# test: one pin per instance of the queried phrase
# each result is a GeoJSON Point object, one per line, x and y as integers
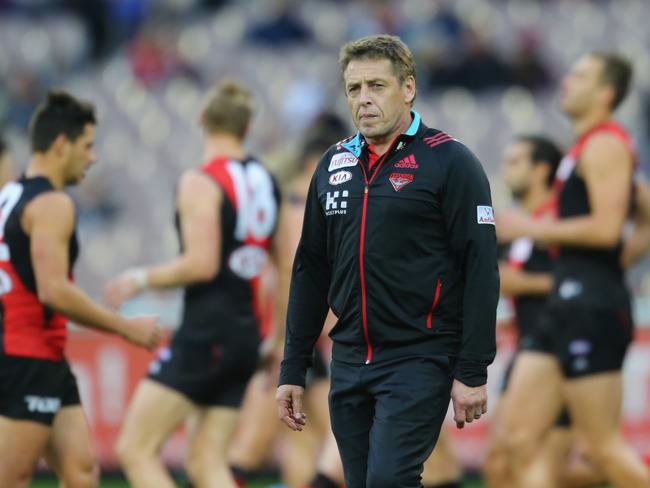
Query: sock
{"type": "Point", "coordinates": [322, 481]}
{"type": "Point", "coordinates": [241, 476]}
{"type": "Point", "coordinates": [453, 484]}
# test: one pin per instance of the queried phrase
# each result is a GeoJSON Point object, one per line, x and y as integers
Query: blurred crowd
{"type": "Point", "coordinates": [487, 69]}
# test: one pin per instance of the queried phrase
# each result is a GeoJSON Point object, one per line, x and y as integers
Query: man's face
{"type": "Point", "coordinates": [376, 98]}
{"type": "Point", "coordinates": [518, 169]}
{"type": "Point", "coordinates": [81, 155]}
{"type": "Point", "coordinates": [583, 87]}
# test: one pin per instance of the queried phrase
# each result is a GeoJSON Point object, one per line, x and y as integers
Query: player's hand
{"type": "Point", "coordinates": [512, 224]}
{"type": "Point", "coordinates": [143, 331]}
{"type": "Point", "coordinates": [122, 288]}
{"type": "Point", "coordinates": [289, 399]}
{"type": "Point", "coordinates": [469, 403]}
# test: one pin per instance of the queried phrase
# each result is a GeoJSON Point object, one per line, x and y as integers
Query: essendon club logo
{"type": "Point", "coordinates": [400, 180]}
{"type": "Point", "coordinates": [408, 162]}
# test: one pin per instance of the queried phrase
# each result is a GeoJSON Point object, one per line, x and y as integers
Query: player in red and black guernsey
{"type": "Point", "coordinates": [529, 167]}
{"type": "Point", "coordinates": [399, 241]}
{"type": "Point", "coordinates": [227, 218]}
{"type": "Point", "coordinates": [40, 411]}
{"type": "Point", "coordinates": [589, 314]}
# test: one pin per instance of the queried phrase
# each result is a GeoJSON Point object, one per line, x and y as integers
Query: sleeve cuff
{"type": "Point", "coordinates": [471, 373]}
{"type": "Point", "coordinates": [292, 374]}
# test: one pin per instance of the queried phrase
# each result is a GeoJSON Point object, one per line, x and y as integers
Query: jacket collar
{"type": "Point", "coordinates": [357, 143]}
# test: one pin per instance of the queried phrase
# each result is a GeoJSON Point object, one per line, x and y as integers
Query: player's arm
{"type": "Point", "coordinates": [306, 311]}
{"type": "Point", "coordinates": [606, 167]}
{"type": "Point", "coordinates": [283, 255]}
{"type": "Point", "coordinates": [515, 281]}
{"type": "Point", "coordinates": [199, 203]}
{"type": "Point", "coordinates": [464, 198]}
{"type": "Point", "coordinates": [637, 245]}
{"type": "Point", "coordinates": [49, 221]}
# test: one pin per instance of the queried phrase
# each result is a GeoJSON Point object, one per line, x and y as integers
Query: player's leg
{"type": "Point", "coordinates": [21, 445]}
{"type": "Point", "coordinates": [442, 468]}
{"type": "Point", "coordinates": [579, 472]}
{"type": "Point", "coordinates": [330, 469]}
{"type": "Point", "coordinates": [595, 404]}
{"type": "Point", "coordinates": [533, 405]}
{"type": "Point", "coordinates": [69, 451]}
{"type": "Point", "coordinates": [299, 454]}
{"type": "Point", "coordinates": [548, 464]}
{"type": "Point", "coordinates": [257, 428]}
{"type": "Point", "coordinates": [156, 411]}
{"type": "Point", "coordinates": [497, 469]}
{"type": "Point", "coordinates": [207, 460]}
{"type": "Point", "coordinates": [411, 400]}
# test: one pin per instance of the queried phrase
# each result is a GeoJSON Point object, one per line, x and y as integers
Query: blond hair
{"type": "Point", "coordinates": [229, 108]}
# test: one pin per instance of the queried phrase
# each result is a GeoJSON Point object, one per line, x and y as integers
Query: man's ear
{"type": "Point", "coordinates": [409, 89]}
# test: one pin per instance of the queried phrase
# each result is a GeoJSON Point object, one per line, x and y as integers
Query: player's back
{"type": "Point", "coordinates": [227, 308]}
{"type": "Point", "coordinates": [28, 327]}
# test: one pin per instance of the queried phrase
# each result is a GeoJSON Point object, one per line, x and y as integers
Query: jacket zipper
{"type": "Point", "coordinates": [362, 242]}
{"type": "Point", "coordinates": [436, 299]}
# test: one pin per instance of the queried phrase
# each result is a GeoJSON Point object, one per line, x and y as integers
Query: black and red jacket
{"type": "Point", "coordinates": [403, 252]}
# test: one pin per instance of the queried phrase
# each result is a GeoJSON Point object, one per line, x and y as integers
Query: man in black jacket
{"type": "Point", "coordinates": [399, 241]}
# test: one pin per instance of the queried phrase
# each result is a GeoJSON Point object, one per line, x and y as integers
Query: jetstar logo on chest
{"type": "Point", "coordinates": [400, 180]}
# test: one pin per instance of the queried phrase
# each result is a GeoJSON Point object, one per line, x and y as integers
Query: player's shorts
{"type": "Point", "coordinates": [35, 389]}
{"type": "Point", "coordinates": [586, 338]}
{"type": "Point", "coordinates": [209, 375]}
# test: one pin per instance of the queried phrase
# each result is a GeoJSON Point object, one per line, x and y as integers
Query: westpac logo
{"type": "Point", "coordinates": [42, 404]}
{"type": "Point", "coordinates": [340, 177]}
{"type": "Point", "coordinates": [342, 160]}
{"type": "Point", "coordinates": [336, 203]}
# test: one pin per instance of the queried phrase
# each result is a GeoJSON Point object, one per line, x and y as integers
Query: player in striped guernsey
{"type": "Point", "coordinates": [227, 216]}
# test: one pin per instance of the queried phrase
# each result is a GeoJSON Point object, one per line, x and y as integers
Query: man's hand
{"type": "Point", "coordinates": [289, 399]}
{"type": "Point", "coordinates": [123, 287]}
{"type": "Point", "coordinates": [512, 224]}
{"type": "Point", "coordinates": [143, 331]}
{"type": "Point", "coordinates": [469, 403]}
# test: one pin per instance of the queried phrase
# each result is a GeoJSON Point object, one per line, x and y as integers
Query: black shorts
{"type": "Point", "coordinates": [586, 338]}
{"type": "Point", "coordinates": [35, 389]}
{"type": "Point", "coordinates": [209, 375]}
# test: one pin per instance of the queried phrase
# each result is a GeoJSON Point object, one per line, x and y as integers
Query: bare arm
{"type": "Point", "coordinates": [199, 203]}
{"type": "Point", "coordinates": [606, 167]}
{"type": "Point", "coordinates": [49, 221]}
{"type": "Point", "coordinates": [638, 244]}
{"type": "Point", "coordinates": [515, 281]}
{"type": "Point", "coordinates": [284, 252]}
{"type": "Point", "coordinates": [199, 206]}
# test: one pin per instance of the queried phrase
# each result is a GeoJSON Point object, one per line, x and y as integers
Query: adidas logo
{"type": "Point", "coordinates": [438, 139]}
{"type": "Point", "coordinates": [408, 162]}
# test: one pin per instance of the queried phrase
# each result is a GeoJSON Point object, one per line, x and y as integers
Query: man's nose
{"type": "Point", "coordinates": [364, 95]}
